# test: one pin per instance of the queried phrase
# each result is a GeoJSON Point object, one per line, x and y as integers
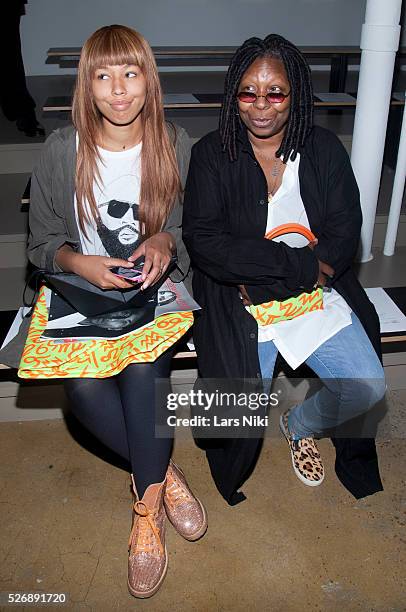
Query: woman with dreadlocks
{"type": "Point", "coordinates": [267, 167]}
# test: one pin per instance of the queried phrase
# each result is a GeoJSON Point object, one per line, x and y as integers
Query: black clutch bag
{"type": "Point", "coordinates": [92, 301]}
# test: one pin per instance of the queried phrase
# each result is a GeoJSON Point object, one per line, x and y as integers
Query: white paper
{"type": "Point", "coordinates": [390, 316]}
{"type": "Point", "coordinates": [191, 345]}
{"type": "Point", "coordinates": [15, 326]}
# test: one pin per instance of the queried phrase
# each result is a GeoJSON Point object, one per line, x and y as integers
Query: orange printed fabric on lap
{"type": "Point", "coordinates": [97, 358]}
{"type": "Point", "coordinates": [275, 312]}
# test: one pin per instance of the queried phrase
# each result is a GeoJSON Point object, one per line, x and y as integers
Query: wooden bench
{"type": "Point", "coordinates": [338, 57]}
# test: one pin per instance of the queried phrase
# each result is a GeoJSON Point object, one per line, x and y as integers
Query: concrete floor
{"type": "Point", "coordinates": [66, 518]}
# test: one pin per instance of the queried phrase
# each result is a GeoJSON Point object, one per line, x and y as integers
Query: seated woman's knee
{"type": "Point", "coordinates": [365, 393]}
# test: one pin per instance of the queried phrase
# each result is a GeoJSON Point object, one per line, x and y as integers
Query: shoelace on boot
{"type": "Point", "coordinates": [146, 524]}
{"type": "Point", "coordinates": [176, 494]}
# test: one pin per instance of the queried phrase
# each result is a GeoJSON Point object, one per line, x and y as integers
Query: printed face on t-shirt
{"type": "Point", "coordinates": [119, 227]}
{"type": "Point", "coordinates": [121, 218]}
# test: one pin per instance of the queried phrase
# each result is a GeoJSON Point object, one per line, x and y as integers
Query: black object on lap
{"type": "Point", "coordinates": [91, 301]}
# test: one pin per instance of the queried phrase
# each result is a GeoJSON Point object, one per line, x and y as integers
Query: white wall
{"type": "Point", "coordinates": [67, 23]}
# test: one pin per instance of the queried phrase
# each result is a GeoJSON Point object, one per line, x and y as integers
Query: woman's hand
{"type": "Point", "coordinates": [325, 270]}
{"type": "Point", "coordinates": [157, 252]}
{"type": "Point", "coordinates": [94, 268]}
{"type": "Point", "coordinates": [246, 300]}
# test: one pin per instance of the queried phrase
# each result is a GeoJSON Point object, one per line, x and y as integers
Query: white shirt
{"type": "Point", "coordinates": [117, 197]}
{"type": "Point", "coordinates": [298, 338]}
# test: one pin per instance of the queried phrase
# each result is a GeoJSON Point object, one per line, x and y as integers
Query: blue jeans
{"type": "Point", "coordinates": [352, 375]}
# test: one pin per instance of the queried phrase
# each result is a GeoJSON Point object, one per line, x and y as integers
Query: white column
{"type": "Point", "coordinates": [379, 43]}
{"type": "Point", "coordinates": [397, 192]}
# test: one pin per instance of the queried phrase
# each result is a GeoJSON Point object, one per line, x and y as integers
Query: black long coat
{"type": "Point", "coordinates": [225, 214]}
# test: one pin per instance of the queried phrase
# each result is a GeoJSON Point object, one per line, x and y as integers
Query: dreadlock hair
{"type": "Point", "coordinates": [301, 93]}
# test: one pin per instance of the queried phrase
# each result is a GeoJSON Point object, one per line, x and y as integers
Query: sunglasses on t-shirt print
{"type": "Point", "coordinates": [117, 209]}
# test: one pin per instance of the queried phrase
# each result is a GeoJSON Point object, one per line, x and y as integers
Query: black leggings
{"type": "Point", "coordinates": [121, 411]}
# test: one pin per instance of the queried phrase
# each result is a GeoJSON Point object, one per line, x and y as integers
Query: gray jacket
{"type": "Point", "coordinates": [52, 220]}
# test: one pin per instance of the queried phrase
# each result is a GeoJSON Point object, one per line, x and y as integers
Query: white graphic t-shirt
{"type": "Point", "coordinates": [117, 197]}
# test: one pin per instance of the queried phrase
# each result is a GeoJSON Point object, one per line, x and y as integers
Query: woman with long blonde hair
{"type": "Point", "coordinates": [106, 192]}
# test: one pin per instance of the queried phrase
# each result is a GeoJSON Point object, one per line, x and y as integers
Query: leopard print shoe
{"type": "Point", "coordinates": [306, 459]}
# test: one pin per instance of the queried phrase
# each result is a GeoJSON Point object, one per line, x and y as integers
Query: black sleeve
{"type": "Point", "coordinates": [338, 241]}
{"type": "Point", "coordinates": [252, 261]}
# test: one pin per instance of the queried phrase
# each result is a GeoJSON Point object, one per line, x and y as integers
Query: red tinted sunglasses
{"type": "Point", "coordinates": [273, 97]}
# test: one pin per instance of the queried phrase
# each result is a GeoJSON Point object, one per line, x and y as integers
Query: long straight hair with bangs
{"type": "Point", "coordinates": [116, 45]}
